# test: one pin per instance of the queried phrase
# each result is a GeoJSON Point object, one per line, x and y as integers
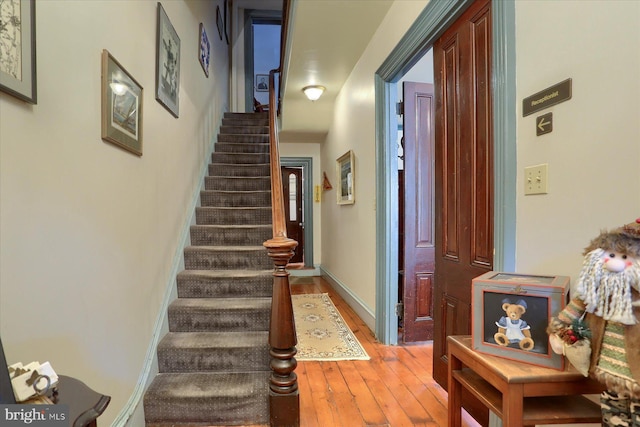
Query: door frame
{"type": "Point", "coordinates": [306, 163]}
{"type": "Point", "coordinates": [430, 24]}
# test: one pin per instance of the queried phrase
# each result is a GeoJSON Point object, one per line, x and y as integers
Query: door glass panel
{"type": "Point", "coordinates": [292, 197]}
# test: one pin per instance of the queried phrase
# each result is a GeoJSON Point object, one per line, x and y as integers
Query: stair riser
{"type": "Point", "coordinates": [238, 359]}
{"type": "Point", "coordinates": [208, 236]}
{"type": "Point", "coordinates": [200, 287]}
{"type": "Point", "coordinates": [199, 259]}
{"type": "Point", "coordinates": [246, 116]}
{"type": "Point", "coordinates": [239, 158]}
{"type": "Point", "coordinates": [239, 199]}
{"type": "Point", "coordinates": [200, 320]}
{"type": "Point", "coordinates": [248, 129]}
{"type": "Point", "coordinates": [245, 122]}
{"type": "Point", "coordinates": [225, 137]}
{"type": "Point", "coordinates": [248, 405]}
{"type": "Point", "coordinates": [239, 170]}
{"type": "Point", "coordinates": [222, 216]}
{"type": "Point", "coordinates": [237, 183]}
{"type": "Point", "coordinates": [227, 147]}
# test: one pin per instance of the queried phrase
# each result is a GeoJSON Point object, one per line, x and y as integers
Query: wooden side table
{"type": "Point", "coordinates": [85, 404]}
{"type": "Point", "coordinates": [520, 394]}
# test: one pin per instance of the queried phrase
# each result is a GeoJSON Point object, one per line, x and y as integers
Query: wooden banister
{"type": "Point", "coordinates": [284, 398]}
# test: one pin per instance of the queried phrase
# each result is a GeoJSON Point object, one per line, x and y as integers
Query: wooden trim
{"type": "Point", "coordinates": [431, 23]}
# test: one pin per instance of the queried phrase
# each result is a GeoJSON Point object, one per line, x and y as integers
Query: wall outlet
{"type": "Point", "coordinates": [536, 180]}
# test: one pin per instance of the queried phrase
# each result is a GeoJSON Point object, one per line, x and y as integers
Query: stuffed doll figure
{"type": "Point", "coordinates": [608, 300]}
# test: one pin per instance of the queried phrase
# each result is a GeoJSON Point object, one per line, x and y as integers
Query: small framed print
{"type": "Point", "coordinates": [205, 50]}
{"type": "Point", "coordinates": [262, 83]}
{"type": "Point", "coordinates": [511, 312]}
{"type": "Point", "coordinates": [167, 63]}
{"type": "Point", "coordinates": [346, 174]}
{"type": "Point", "coordinates": [121, 106]}
{"type": "Point", "coordinates": [18, 49]}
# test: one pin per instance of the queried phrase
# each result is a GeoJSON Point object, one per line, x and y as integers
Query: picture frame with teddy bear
{"type": "Point", "coordinates": [511, 312]}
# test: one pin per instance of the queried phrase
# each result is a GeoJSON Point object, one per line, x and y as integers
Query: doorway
{"type": "Point", "coordinates": [302, 168]}
{"type": "Point", "coordinates": [429, 26]}
{"type": "Point", "coordinates": [262, 54]}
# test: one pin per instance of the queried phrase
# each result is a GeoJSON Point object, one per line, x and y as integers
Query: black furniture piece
{"type": "Point", "coordinates": [85, 404]}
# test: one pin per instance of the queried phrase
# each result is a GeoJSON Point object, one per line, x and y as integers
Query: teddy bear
{"type": "Point", "coordinates": [512, 328]}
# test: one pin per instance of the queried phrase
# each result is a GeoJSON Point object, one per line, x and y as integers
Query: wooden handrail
{"type": "Point", "coordinates": [284, 398]}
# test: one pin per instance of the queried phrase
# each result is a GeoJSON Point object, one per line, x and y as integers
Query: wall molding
{"type": "Point", "coordinates": [361, 309]}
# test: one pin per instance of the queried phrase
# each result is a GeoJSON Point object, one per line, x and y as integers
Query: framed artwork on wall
{"type": "Point", "coordinates": [227, 19]}
{"type": "Point", "coordinates": [262, 83]}
{"type": "Point", "coordinates": [219, 22]}
{"type": "Point", "coordinates": [121, 106]}
{"type": "Point", "coordinates": [346, 174]}
{"type": "Point", "coordinates": [167, 64]}
{"type": "Point", "coordinates": [18, 47]}
{"type": "Point", "coordinates": [205, 50]}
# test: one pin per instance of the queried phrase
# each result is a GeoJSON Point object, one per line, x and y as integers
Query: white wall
{"type": "Point", "coordinates": [349, 231]}
{"type": "Point", "coordinates": [89, 231]}
{"type": "Point", "coordinates": [594, 150]}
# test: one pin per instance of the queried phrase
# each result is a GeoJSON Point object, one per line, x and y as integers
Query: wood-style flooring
{"type": "Point", "coordinates": [395, 388]}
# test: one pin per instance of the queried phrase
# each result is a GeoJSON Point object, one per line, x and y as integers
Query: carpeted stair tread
{"type": "Point", "coordinates": [237, 183]}
{"type": "Point", "coordinates": [230, 169]}
{"type": "Point", "coordinates": [208, 398]}
{"type": "Point", "coordinates": [230, 351]}
{"type": "Point", "coordinates": [214, 363]}
{"type": "Point", "coordinates": [243, 199]}
{"type": "Point", "coordinates": [210, 235]}
{"type": "Point", "coordinates": [233, 215]}
{"type": "Point", "coordinates": [219, 314]}
{"type": "Point", "coordinates": [225, 283]}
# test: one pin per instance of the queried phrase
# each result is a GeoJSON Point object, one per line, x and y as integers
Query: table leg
{"type": "Point", "coordinates": [512, 404]}
{"type": "Point", "coordinates": [455, 393]}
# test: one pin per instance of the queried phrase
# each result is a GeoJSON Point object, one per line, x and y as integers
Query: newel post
{"type": "Point", "coordinates": [284, 399]}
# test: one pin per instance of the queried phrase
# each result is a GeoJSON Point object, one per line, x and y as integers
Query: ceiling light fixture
{"type": "Point", "coordinates": [313, 92]}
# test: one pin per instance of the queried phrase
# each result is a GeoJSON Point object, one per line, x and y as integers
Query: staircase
{"type": "Point", "coordinates": [214, 362]}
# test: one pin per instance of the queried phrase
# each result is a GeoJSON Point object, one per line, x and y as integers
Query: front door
{"type": "Point", "coordinates": [292, 188]}
{"type": "Point", "coordinates": [464, 173]}
{"type": "Point", "coordinates": [418, 241]}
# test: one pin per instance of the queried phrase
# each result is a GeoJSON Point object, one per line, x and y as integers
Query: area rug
{"type": "Point", "coordinates": [322, 332]}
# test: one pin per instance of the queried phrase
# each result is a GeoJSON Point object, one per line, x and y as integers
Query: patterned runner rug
{"type": "Point", "coordinates": [322, 332]}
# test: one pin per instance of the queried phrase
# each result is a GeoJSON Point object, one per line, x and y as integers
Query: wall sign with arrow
{"type": "Point", "coordinates": [544, 124]}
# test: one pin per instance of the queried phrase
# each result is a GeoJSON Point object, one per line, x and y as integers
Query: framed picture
{"type": "Point", "coordinates": [345, 168]}
{"type": "Point", "coordinates": [219, 22]}
{"type": "Point", "coordinates": [511, 312]}
{"type": "Point", "coordinates": [121, 106]}
{"type": "Point", "coordinates": [227, 19]}
{"type": "Point", "coordinates": [262, 83]}
{"type": "Point", "coordinates": [18, 47]}
{"type": "Point", "coordinates": [167, 64]}
{"type": "Point", "coordinates": [205, 50]}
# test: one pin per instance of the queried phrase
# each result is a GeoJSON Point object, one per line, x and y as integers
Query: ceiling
{"type": "Point", "coordinates": [326, 39]}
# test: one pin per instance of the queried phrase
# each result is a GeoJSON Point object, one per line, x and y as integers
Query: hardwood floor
{"type": "Point", "coordinates": [395, 388]}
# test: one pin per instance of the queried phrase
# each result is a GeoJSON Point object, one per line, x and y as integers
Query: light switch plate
{"type": "Point", "coordinates": [536, 180]}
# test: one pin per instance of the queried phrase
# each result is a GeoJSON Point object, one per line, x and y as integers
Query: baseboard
{"type": "Point", "coordinates": [133, 411]}
{"type": "Point", "coordinates": [361, 309]}
{"type": "Point", "coordinates": [305, 272]}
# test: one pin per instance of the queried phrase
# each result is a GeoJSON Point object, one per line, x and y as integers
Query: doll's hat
{"type": "Point", "coordinates": [625, 240]}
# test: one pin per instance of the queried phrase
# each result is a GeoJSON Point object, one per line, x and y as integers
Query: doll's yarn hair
{"type": "Point", "coordinates": [607, 294]}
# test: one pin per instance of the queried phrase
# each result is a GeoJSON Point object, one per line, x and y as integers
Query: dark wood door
{"type": "Point", "coordinates": [464, 173]}
{"type": "Point", "coordinates": [419, 110]}
{"type": "Point", "coordinates": [292, 188]}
